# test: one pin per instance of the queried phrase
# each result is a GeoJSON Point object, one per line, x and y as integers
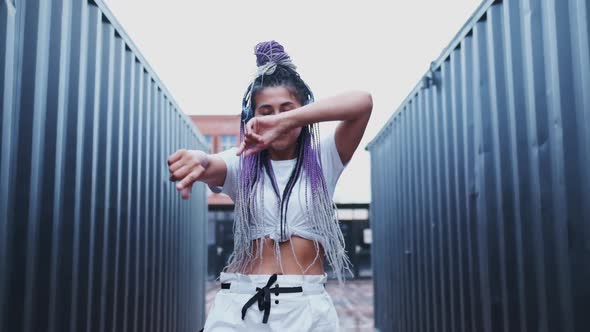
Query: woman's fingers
{"type": "Point", "coordinates": [254, 137]}
{"type": "Point", "coordinates": [186, 192]}
{"type": "Point", "coordinates": [254, 149]}
{"type": "Point", "coordinates": [176, 166]}
{"type": "Point", "coordinates": [241, 148]}
{"type": "Point", "coordinates": [190, 158]}
{"type": "Point", "coordinates": [246, 145]}
{"type": "Point", "coordinates": [253, 141]}
{"type": "Point", "coordinates": [177, 160]}
{"type": "Point", "coordinates": [251, 138]}
{"type": "Point", "coordinates": [189, 179]}
{"type": "Point", "coordinates": [250, 126]}
{"type": "Point", "coordinates": [249, 149]}
{"type": "Point", "coordinates": [176, 156]}
{"type": "Point", "coordinates": [181, 172]}
{"type": "Point", "coordinates": [183, 165]}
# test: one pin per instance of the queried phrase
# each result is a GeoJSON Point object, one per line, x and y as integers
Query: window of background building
{"type": "Point", "coordinates": [209, 142]}
{"type": "Point", "coordinates": [227, 142]}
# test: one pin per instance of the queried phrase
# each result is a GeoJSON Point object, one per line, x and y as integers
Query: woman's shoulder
{"type": "Point", "coordinates": [332, 166]}
{"type": "Point", "coordinates": [329, 152]}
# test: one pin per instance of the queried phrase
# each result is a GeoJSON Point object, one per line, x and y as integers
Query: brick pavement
{"type": "Point", "coordinates": [353, 302]}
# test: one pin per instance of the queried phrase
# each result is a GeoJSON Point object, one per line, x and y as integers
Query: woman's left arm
{"type": "Point", "coordinates": [353, 109]}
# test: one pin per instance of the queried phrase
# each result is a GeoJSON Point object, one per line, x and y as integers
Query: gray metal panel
{"type": "Point", "coordinates": [93, 236]}
{"type": "Point", "coordinates": [480, 179]}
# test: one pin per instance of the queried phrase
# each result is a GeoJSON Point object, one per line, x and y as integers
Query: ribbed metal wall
{"type": "Point", "coordinates": [481, 180]}
{"type": "Point", "coordinates": [93, 235]}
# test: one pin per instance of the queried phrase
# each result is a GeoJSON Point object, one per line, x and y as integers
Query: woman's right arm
{"type": "Point", "coordinates": [188, 166]}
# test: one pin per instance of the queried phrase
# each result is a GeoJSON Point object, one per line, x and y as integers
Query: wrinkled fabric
{"type": "Point", "coordinates": [310, 310]}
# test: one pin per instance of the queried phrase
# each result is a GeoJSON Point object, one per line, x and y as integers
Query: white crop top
{"type": "Point", "coordinates": [295, 218]}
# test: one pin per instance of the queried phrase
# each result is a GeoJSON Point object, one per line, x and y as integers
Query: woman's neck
{"type": "Point", "coordinates": [286, 154]}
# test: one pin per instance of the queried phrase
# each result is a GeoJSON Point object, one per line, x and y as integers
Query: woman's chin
{"type": "Point", "coordinates": [278, 146]}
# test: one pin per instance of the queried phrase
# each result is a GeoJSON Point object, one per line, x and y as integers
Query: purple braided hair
{"type": "Point", "coordinates": [273, 61]}
{"type": "Point", "coordinates": [270, 51]}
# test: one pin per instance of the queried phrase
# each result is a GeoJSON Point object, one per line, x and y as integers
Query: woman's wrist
{"type": "Point", "coordinates": [292, 119]}
{"type": "Point", "coordinates": [202, 158]}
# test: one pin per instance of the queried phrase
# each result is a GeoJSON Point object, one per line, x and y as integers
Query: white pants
{"type": "Point", "coordinates": [310, 310]}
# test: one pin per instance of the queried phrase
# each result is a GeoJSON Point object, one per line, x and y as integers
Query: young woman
{"type": "Point", "coordinates": [282, 179]}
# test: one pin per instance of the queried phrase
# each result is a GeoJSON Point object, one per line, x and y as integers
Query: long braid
{"type": "Point", "coordinates": [320, 210]}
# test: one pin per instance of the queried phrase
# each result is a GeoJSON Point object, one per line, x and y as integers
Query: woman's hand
{"type": "Point", "coordinates": [261, 131]}
{"type": "Point", "coordinates": [187, 166]}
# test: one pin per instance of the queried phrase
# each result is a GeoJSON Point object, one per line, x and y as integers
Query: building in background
{"type": "Point", "coordinates": [221, 133]}
{"type": "Point", "coordinates": [354, 223]}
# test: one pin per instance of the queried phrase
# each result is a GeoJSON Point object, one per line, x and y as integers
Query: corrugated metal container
{"type": "Point", "coordinates": [481, 180]}
{"type": "Point", "coordinates": [93, 235]}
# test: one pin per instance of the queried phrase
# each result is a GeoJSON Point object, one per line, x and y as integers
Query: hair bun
{"type": "Point", "coordinates": [269, 51]}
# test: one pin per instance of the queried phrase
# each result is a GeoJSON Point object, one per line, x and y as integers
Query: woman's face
{"type": "Point", "coordinates": [275, 100]}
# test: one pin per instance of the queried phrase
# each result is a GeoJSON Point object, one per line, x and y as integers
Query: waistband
{"type": "Point", "coordinates": [247, 283]}
{"type": "Point", "coordinates": [259, 233]}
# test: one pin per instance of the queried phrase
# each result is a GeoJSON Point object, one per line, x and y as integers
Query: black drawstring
{"type": "Point", "coordinates": [263, 297]}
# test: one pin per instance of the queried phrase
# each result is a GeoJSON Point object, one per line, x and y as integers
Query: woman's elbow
{"type": "Point", "coordinates": [367, 102]}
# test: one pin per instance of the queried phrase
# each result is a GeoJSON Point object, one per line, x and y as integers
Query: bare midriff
{"type": "Point", "coordinates": [305, 254]}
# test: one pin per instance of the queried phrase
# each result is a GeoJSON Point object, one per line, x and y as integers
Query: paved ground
{"type": "Point", "coordinates": [354, 303]}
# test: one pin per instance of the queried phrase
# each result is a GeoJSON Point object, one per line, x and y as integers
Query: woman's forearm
{"type": "Point", "coordinates": [352, 109]}
{"type": "Point", "coordinates": [347, 106]}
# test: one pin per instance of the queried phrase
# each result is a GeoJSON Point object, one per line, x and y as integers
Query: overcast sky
{"type": "Point", "coordinates": [203, 52]}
